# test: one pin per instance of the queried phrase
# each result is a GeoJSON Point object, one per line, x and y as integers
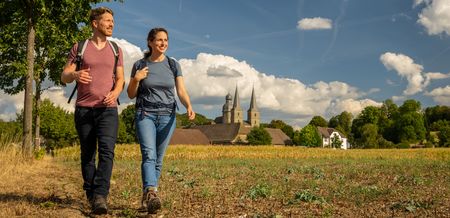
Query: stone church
{"type": "Point", "coordinates": [232, 113]}
{"type": "Point", "coordinates": [230, 128]}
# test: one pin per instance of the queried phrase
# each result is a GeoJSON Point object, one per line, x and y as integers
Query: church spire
{"type": "Point", "coordinates": [253, 101]}
{"type": "Point", "coordinates": [236, 111]}
{"type": "Point", "coordinates": [252, 113]}
{"type": "Point", "coordinates": [236, 103]}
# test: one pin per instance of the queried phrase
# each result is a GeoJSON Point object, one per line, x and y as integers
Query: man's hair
{"type": "Point", "coordinates": [97, 12]}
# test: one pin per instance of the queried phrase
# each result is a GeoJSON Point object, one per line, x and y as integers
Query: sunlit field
{"type": "Point", "coordinates": [244, 181]}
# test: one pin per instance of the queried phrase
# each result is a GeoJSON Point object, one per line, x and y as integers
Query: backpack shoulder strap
{"type": "Point", "coordinates": [173, 66]}
{"type": "Point", "coordinates": [81, 47]}
{"type": "Point", "coordinates": [115, 47]}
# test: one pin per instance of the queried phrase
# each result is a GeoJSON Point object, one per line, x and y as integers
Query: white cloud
{"type": "Point", "coordinates": [10, 105]}
{"type": "Point", "coordinates": [282, 95]}
{"type": "Point", "coordinates": [352, 106]}
{"type": "Point", "coordinates": [398, 99]}
{"type": "Point", "coordinates": [441, 95]}
{"type": "Point", "coordinates": [405, 67]}
{"type": "Point", "coordinates": [435, 17]}
{"type": "Point", "coordinates": [316, 23]}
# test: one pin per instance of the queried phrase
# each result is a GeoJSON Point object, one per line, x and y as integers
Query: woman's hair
{"type": "Point", "coordinates": [151, 36]}
{"type": "Point", "coordinates": [97, 12]}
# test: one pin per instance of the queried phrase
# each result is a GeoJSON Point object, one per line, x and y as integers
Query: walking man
{"type": "Point", "coordinates": [99, 83]}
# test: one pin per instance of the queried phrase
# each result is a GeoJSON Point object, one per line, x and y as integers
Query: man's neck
{"type": "Point", "coordinates": [99, 40]}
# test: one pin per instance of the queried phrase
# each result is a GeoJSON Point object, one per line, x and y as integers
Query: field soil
{"type": "Point", "coordinates": [206, 181]}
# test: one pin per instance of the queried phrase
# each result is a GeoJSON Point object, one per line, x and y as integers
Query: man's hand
{"type": "Point", "coordinates": [111, 98]}
{"type": "Point", "coordinates": [82, 76]}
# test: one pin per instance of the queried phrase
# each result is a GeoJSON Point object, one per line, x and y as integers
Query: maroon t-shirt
{"type": "Point", "coordinates": [101, 62]}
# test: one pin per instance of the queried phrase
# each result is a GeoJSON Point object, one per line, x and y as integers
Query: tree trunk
{"type": "Point", "coordinates": [37, 119]}
{"type": "Point", "coordinates": [27, 144]}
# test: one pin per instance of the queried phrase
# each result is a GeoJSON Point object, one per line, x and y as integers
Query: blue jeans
{"type": "Point", "coordinates": [154, 133]}
{"type": "Point", "coordinates": [97, 130]}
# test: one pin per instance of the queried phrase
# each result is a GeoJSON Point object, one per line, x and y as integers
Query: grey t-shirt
{"type": "Point", "coordinates": [156, 92]}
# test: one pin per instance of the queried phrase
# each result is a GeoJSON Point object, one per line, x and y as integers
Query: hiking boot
{"type": "Point", "coordinates": [99, 205]}
{"type": "Point", "coordinates": [151, 201]}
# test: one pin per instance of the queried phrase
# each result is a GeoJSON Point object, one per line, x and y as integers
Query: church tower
{"type": "Point", "coordinates": [236, 111]}
{"type": "Point", "coordinates": [253, 113]}
{"type": "Point", "coordinates": [226, 109]}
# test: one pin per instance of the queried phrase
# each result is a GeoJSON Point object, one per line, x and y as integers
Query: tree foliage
{"type": "Point", "coordinates": [318, 121]}
{"type": "Point", "coordinates": [279, 124]}
{"type": "Point", "coordinates": [342, 123]}
{"type": "Point", "coordinates": [336, 141]}
{"type": "Point", "coordinates": [183, 120]}
{"type": "Point", "coordinates": [259, 136]}
{"type": "Point", "coordinates": [58, 127]}
{"type": "Point", "coordinates": [309, 136]}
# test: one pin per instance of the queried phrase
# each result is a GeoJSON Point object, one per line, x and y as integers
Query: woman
{"type": "Point", "coordinates": [152, 82]}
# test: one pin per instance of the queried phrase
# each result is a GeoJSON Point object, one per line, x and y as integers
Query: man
{"type": "Point", "coordinates": [96, 116]}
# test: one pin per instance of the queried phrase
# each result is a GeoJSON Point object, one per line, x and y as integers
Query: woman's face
{"type": "Point", "coordinates": [159, 43]}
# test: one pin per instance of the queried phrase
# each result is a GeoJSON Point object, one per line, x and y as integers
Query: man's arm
{"type": "Point", "coordinates": [69, 74]}
{"type": "Point", "coordinates": [113, 95]}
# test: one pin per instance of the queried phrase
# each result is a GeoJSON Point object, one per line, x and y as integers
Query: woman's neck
{"type": "Point", "coordinates": [157, 57]}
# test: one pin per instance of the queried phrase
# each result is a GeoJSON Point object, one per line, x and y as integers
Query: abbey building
{"type": "Point", "coordinates": [232, 113]}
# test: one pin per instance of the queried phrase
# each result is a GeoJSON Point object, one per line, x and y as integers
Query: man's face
{"type": "Point", "coordinates": [105, 24]}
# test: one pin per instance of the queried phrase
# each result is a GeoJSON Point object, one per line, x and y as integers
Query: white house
{"type": "Point", "coordinates": [328, 133]}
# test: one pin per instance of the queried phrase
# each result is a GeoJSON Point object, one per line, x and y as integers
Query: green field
{"type": "Point", "coordinates": [263, 181]}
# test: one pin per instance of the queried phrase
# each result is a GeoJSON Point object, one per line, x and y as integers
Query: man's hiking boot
{"type": "Point", "coordinates": [99, 205]}
{"type": "Point", "coordinates": [151, 201]}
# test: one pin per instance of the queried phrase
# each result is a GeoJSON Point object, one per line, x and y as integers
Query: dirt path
{"type": "Point", "coordinates": [41, 189]}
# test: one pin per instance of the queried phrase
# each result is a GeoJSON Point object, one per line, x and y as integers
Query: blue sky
{"type": "Point", "coordinates": [305, 57]}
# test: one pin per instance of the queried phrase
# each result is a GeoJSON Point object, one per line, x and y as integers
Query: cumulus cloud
{"type": "Point", "coordinates": [440, 95]}
{"type": "Point", "coordinates": [405, 67]}
{"type": "Point", "coordinates": [316, 23]}
{"type": "Point", "coordinates": [10, 105]}
{"type": "Point", "coordinates": [286, 96]}
{"type": "Point", "coordinates": [435, 17]}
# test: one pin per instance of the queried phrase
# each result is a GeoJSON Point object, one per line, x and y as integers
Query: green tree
{"type": "Point", "coordinates": [444, 136]}
{"type": "Point", "coordinates": [388, 113]}
{"type": "Point", "coordinates": [369, 136]}
{"type": "Point", "coordinates": [127, 117]}
{"type": "Point", "coordinates": [35, 38]}
{"type": "Point", "coordinates": [309, 136]}
{"type": "Point", "coordinates": [259, 136]}
{"type": "Point", "coordinates": [409, 124]}
{"type": "Point", "coordinates": [318, 121]}
{"type": "Point", "coordinates": [183, 120]}
{"type": "Point", "coordinates": [296, 138]}
{"type": "Point", "coordinates": [279, 124]}
{"type": "Point", "coordinates": [58, 126]}
{"type": "Point", "coordinates": [342, 123]}
{"type": "Point", "coordinates": [336, 141]}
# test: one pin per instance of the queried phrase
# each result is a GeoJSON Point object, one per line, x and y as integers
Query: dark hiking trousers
{"type": "Point", "coordinates": [97, 128]}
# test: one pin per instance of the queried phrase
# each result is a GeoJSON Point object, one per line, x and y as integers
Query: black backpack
{"type": "Point", "coordinates": [79, 59]}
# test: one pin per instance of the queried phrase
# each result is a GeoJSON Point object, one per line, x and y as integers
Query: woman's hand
{"type": "Point", "coordinates": [141, 74]}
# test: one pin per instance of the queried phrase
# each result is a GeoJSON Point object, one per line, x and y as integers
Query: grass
{"type": "Point", "coordinates": [233, 181]}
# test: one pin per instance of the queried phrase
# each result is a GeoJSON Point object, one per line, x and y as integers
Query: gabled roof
{"type": "Point", "coordinates": [189, 137]}
{"type": "Point", "coordinates": [278, 137]}
{"type": "Point", "coordinates": [223, 132]}
{"type": "Point", "coordinates": [326, 132]}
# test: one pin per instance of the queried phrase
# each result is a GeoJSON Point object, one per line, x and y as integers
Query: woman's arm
{"type": "Point", "coordinates": [184, 97]}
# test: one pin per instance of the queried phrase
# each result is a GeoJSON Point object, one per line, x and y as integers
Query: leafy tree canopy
{"type": "Point", "coordinates": [259, 136]}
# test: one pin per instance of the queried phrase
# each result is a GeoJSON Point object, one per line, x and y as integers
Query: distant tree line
{"type": "Point", "coordinates": [387, 126]}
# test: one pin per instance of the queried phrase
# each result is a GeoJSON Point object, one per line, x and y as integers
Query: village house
{"type": "Point", "coordinates": [328, 134]}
